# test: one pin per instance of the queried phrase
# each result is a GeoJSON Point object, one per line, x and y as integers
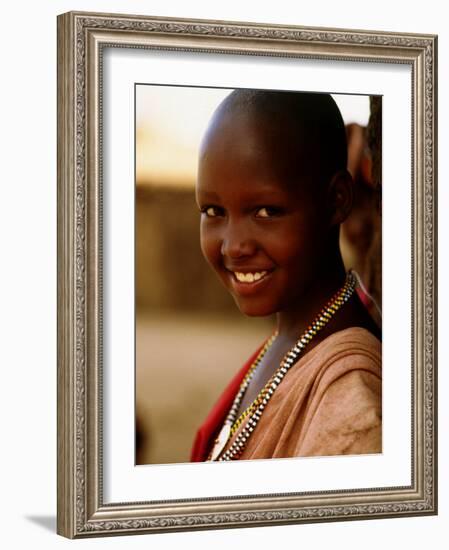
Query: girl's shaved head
{"type": "Point", "coordinates": [303, 133]}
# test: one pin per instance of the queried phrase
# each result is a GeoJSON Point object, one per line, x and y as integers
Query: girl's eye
{"type": "Point", "coordinates": [211, 211]}
{"type": "Point", "coordinates": [268, 212]}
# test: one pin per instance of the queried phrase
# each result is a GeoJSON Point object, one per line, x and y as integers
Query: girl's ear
{"type": "Point", "coordinates": [340, 196]}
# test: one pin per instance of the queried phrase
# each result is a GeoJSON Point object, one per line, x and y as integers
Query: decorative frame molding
{"type": "Point", "coordinates": [81, 38]}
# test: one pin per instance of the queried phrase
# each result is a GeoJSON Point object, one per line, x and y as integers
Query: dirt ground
{"type": "Point", "coordinates": [183, 362]}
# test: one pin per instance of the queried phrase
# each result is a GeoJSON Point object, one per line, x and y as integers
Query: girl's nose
{"type": "Point", "coordinates": [237, 242]}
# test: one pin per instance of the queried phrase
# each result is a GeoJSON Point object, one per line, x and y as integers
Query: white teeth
{"type": "Point", "coordinates": [249, 277]}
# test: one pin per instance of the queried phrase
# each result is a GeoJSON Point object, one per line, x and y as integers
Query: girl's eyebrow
{"type": "Point", "coordinates": [262, 192]}
{"type": "Point", "coordinates": [263, 195]}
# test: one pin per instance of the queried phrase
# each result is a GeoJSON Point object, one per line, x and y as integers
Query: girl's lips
{"type": "Point", "coordinates": [248, 288]}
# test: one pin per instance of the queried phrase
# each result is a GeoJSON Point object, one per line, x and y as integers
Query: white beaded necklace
{"type": "Point", "coordinates": [256, 409]}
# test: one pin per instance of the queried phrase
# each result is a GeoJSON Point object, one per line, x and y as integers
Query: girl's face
{"type": "Point", "coordinates": [262, 232]}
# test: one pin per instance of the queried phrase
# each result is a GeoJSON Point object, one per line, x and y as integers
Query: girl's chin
{"type": "Point", "coordinates": [253, 309]}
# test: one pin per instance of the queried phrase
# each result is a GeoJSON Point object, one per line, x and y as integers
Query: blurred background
{"type": "Point", "coordinates": [190, 336]}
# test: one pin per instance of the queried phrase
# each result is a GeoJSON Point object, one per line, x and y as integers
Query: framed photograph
{"type": "Point", "coordinates": [246, 274]}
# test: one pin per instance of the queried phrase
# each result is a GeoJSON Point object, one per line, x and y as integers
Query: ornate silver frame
{"type": "Point", "coordinates": [81, 510]}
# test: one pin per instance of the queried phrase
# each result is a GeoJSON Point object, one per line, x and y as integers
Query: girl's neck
{"type": "Point", "coordinates": [297, 316]}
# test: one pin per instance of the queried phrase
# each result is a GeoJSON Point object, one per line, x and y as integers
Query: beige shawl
{"type": "Point", "coordinates": [329, 402]}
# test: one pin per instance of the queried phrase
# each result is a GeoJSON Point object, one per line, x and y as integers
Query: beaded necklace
{"type": "Point", "coordinates": [255, 410]}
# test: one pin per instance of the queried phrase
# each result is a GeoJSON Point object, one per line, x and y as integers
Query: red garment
{"type": "Point", "coordinates": [208, 431]}
{"type": "Point", "coordinates": [364, 298]}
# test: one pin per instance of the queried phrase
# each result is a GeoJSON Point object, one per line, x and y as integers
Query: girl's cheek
{"type": "Point", "coordinates": [210, 249]}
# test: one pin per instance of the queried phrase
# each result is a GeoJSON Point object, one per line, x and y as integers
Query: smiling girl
{"type": "Point", "coordinates": [273, 190]}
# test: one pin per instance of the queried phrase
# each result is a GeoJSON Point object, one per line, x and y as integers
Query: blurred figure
{"type": "Point", "coordinates": [361, 231]}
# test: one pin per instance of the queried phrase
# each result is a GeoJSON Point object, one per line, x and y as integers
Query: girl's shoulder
{"type": "Point", "coordinates": [354, 353]}
{"type": "Point", "coordinates": [353, 341]}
